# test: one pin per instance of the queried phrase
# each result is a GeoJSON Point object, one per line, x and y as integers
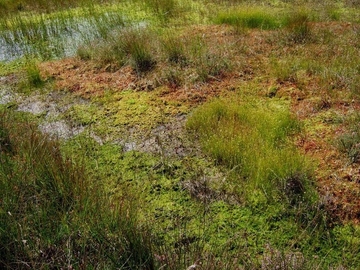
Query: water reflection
{"type": "Point", "coordinates": [55, 38]}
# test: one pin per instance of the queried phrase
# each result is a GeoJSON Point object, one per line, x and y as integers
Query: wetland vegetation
{"type": "Point", "coordinates": [167, 134]}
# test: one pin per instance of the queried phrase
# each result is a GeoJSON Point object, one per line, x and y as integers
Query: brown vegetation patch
{"type": "Point", "coordinates": [85, 79]}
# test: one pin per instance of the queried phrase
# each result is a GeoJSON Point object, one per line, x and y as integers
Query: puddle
{"type": "Point", "coordinates": [51, 107]}
{"type": "Point", "coordinates": [56, 38]}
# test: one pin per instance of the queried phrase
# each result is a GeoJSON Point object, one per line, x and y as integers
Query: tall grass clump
{"type": "Point", "coordinates": [131, 42]}
{"type": "Point", "coordinates": [164, 9]}
{"type": "Point", "coordinates": [174, 48]}
{"type": "Point", "coordinates": [33, 75]}
{"type": "Point", "coordinates": [298, 27]}
{"type": "Point", "coordinates": [209, 62]}
{"type": "Point", "coordinates": [252, 139]}
{"type": "Point", "coordinates": [52, 215]}
{"type": "Point", "coordinates": [127, 47]}
{"type": "Point", "coordinates": [250, 17]}
{"type": "Point", "coordinates": [349, 142]}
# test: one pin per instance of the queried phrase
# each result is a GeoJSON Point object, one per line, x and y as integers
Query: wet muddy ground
{"type": "Point", "coordinates": [166, 139]}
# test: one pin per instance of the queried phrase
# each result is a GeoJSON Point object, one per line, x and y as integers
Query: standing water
{"type": "Point", "coordinates": [53, 38]}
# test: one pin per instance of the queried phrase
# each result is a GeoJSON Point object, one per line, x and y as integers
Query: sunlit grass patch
{"type": "Point", "coordinates": [163, 8]}
{"type": "Point", "coordinates": [251, 17]}
{"type": "Point", "coordinates": [252, 139]}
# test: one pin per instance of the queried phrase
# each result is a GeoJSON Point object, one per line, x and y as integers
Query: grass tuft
{"type": "Point", "coordinates": [298, 27]}
{"type": "Point", "coordinates": [252, 139]}
{"type": "Point", "coordinates": [349, 142]}
{"type": "Point", "coordinates": [125, 47]}
{"type": "Point", "coordinates": [174, 49]}
{"type": "Point", "coordinates": [52, 213]}
{"type": "Point", "coordinates": [165, 9]}
{"type": "Point", "coordinates": [33, 75]}
{"type": "Point", "coordinates": [250, 17]}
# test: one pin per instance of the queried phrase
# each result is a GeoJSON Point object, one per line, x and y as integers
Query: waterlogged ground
{"type": "Point", "coordinates": [120, 102]}
{"type": "Point", "coordinates": [131, 131]}
{"type": "Point", "coordinates": [140, 113]}
{"type": "Point", "coordinates": [60, 34]}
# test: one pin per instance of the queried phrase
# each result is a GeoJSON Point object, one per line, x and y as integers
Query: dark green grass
{"type": "Point", "coordinates": [53, 215]}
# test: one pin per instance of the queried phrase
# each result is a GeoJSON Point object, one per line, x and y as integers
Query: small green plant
{"type": "Point", "coordinates": [349, 142]}
{"type": "Point", "coordinates": [298, 27]}
{"type": "Point", "coordinates": [33, 75]}
{"type": "Point", "coordinates": [174, 49]}
{"type": "Point", "coordinates": [173, 78]}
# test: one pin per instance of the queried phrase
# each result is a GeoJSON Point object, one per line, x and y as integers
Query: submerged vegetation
{"type": "Point", "coordinates": [202, 134]}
